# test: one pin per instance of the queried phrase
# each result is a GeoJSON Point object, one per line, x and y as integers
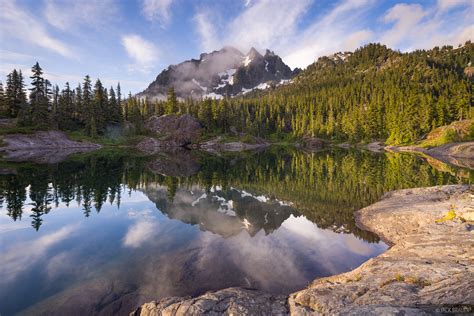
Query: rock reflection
{"type": "Point", "coordinates": [175, 162]}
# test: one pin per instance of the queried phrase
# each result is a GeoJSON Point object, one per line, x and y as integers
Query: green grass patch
{"type": "Point", "coordinates": [459, 131]}
{"type": "Point", "coordinates": [18, 130]}
{"type": "Point", "coordinates": [104, 140]}
{"type": "Point", "coordinates": [450, 216]}
{"type": "Point", "coordinates": [413, 280]}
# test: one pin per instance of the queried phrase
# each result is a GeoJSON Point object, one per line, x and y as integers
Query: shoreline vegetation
{"type": "Point", "coordinates": [428, 265]}
{"type": "Point", "coordinates": [451, 144]}
{"type": "Point", "coordinates": [375, 93]}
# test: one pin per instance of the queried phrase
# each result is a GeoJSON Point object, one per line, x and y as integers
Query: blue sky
{"type": "Point", "coordinates": [131, 41]}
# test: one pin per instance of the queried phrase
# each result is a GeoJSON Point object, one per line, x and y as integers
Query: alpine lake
{"type": "Point", "coordinates": [106, 231]}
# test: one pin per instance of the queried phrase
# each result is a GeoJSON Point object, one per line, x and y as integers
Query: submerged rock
{"type": "Point", "coordinates": [217, 145]}
{"type": "Point", "coordinates": [231, 301]}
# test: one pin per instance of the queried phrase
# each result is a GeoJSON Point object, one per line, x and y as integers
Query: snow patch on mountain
{"type": "Point", "coordinates": [227, 77]}
{"type": "Point", "coordinates": [247, 60]}
{"type": "Point", "coordinates": [261, 86]}
{"type": "Point", "coordinates": [213, 95]}
{"type": "Point", "coordinates": [199, 85]}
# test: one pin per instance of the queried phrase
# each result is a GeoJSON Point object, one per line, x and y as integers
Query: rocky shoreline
{"type": "Point", "coordinates": [43, 147]}
{"type": "Point", "coordinates": [171, 131]}
{"type": "Point", "coordinates": [458, 154]}
{"type": "Point", "coordinates": [430, 265]}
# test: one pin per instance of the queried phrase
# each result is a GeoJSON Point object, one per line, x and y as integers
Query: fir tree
{"type": "Point", "coordinates": [171, 102]}
{"type": "Point", "coordinates": [39, 97]}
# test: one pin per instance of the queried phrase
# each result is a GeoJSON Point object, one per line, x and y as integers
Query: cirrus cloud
{"type": "Point", "coordinates": [157, 10]}
{"type": "Point", "coordinates": [18, 23]}
{"type": "Point", "coordinates": [68, 15]}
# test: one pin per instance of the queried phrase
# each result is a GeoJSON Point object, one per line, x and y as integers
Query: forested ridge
{"type": "Point", "coordinates": [372, 93]}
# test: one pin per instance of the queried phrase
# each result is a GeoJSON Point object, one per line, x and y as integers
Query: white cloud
{"type": "Point", "coordinates": [335, 31]}
{"type": "Point", "coordinates": [157, 10]}
{"type": "Point", "coordinates": [405, 18]}
{"type": "Point", "coordinates": [206, 31]}
{"type": "Point", "coordinates": [417, 27]}
{"type": "Point", "coordinates": [68, 15]}
{"type": "Point", "coordinates": [18, 23]}
{"type": "Point", "coordinates": [449, 4]}
{"type": "Point", "coordinates": [143, 52]}
{"type": "Point", "coordinates": [357, 39]}
{"type": "Point", "coordinates": [276, 25]}
{"type": "Point", "coordinates": [266, 23]}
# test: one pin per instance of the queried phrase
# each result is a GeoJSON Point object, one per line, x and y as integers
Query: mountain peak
{"type": "Point", "coordinates": [269, 53]}
{"type": "Point", "coordinates": [253, 53]}
{"type": "Point", "coordinates": [224, 72]}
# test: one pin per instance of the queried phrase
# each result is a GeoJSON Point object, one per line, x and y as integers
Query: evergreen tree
{"type": "Point", "coordinates": [115, 111]}
{"type": "Point", "coordinates": [39, 97]}
{"type": "Point", "coordinates": [88, 108]}
{"type": "Point", "coordinates": [15, 94]}
{"type": "Point", "coordinates": [3, 102]}
{"type": "Point", "coordinates": [171, 102]}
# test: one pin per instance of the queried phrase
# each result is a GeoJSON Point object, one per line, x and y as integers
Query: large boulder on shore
{"type": "Point", "coordinates": [42, 147]}
{"type": "Point", "coordinates": [43, 140]}
{"type": "Point", "coordinates": [174, 130]}
{"type": "Point", "coordinates": [312, 143]}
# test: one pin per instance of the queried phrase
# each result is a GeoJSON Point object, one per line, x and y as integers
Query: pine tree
{"type": "Point", "coordinates": [39, 97]}
{"type": "Point", "coordinates": [15, 95]}
{"type": "Point", "coordinates": [99, 109]}
{"type": "Point", "coordinates": [3, 102]}
{"type": "Point", "coordinates": [115, 111]}
{"type": "Point", "coordinates": [66, 109]}
{"type": "Point", "coordinates": [88, 108]}
{"type": "Point", "coordinates": [171, 102]}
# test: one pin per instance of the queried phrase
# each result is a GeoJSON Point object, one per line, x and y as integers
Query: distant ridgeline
{"type": "Point", "coordinates": [372, 93]}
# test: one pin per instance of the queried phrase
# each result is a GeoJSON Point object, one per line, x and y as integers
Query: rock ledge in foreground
{"type": "Point", "coordinates": [430, 264]}
{"type": "Point", "coordinates": [231, 301]}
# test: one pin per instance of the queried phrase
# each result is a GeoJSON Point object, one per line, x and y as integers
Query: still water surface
{"type": "Point", "coordinates": [102, 233]}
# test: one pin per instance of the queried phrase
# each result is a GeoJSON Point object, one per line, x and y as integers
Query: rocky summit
{"type": "Point", "coordinates": [226, 72]}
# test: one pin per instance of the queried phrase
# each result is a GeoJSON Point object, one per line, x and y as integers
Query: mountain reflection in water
{"type": "Point", "coordinates": [113, 229]}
